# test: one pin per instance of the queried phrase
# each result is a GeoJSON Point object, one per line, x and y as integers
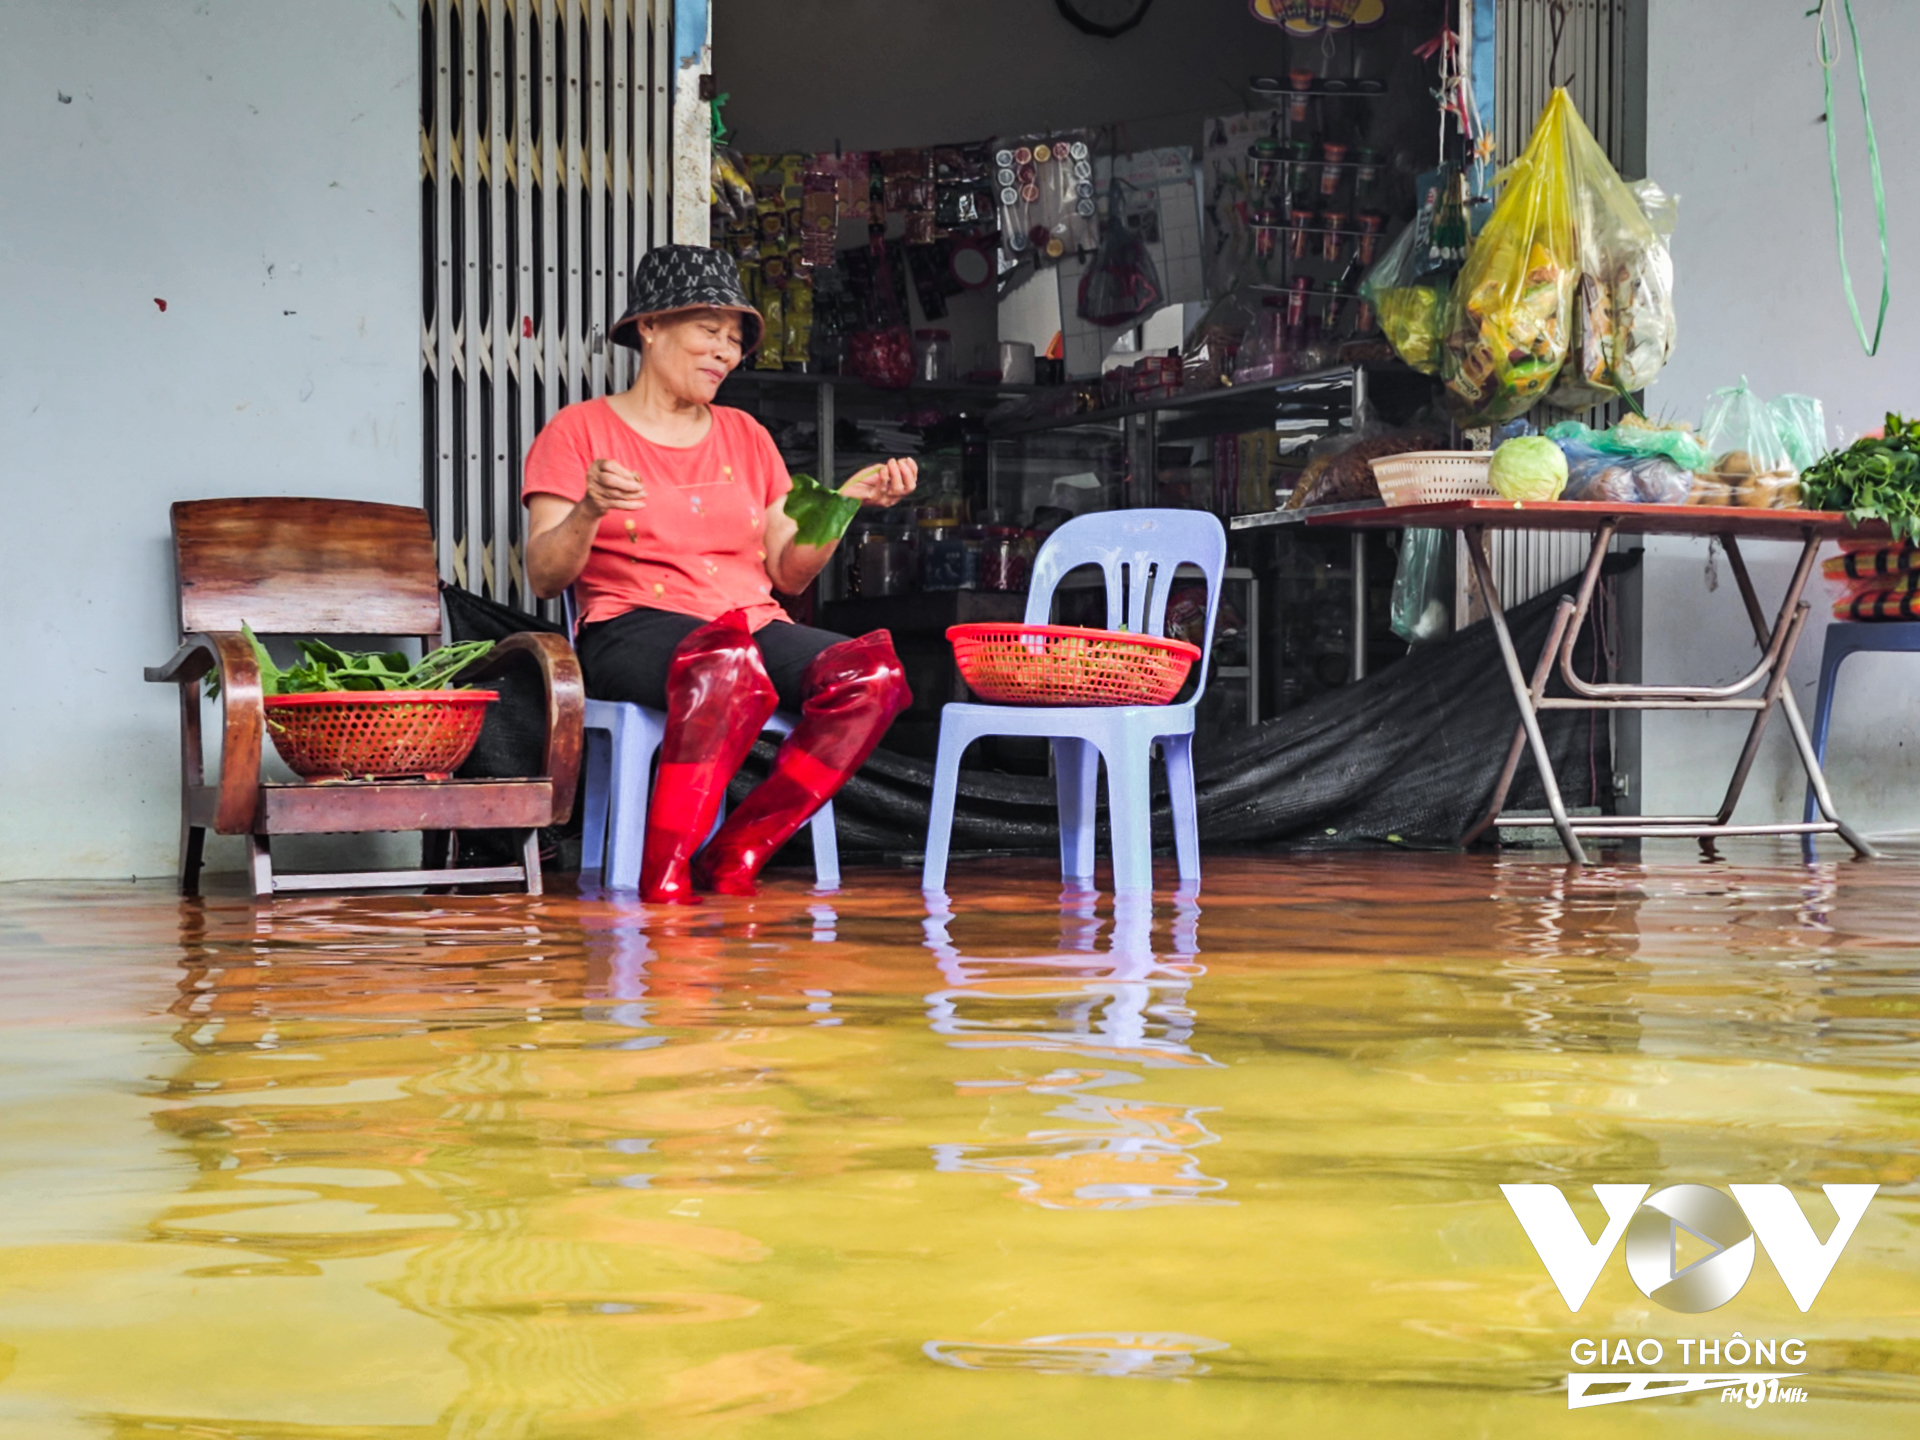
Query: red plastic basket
{"type": "Point", "coordinates": [1067, 665]}
{"type": "Point", "coordinates": [376, 734]}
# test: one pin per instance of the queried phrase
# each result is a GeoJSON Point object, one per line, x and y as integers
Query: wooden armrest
{"type": "Point", "coordinates": [229, 653]}
{"type": "Point", "coordinates": [566, 703]}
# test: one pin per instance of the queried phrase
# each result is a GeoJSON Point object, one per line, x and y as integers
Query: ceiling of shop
{"type": "Point", "coordinates": [871, 74]}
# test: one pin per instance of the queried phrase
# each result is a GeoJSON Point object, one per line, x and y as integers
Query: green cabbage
{"type": "Point", "coordinates": [1528, 467]}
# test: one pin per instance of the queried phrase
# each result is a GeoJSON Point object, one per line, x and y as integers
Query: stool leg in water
{"type": "Point", "coordinates": [718, 697]}
{"type": "Point", "coordinates": [853, 692]}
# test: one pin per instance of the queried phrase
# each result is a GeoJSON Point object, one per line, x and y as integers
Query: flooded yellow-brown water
{"type": "Point", "coordinates": [1023, 1165]}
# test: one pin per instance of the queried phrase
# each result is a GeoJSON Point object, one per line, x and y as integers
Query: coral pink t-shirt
{"type": "Point", "coordinates": [697, 544]}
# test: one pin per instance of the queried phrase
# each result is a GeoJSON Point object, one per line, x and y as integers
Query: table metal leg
{"type": "Point", "coordinates": [1357, 564]}
{"type": "Point", "coordinates": [1542, 668]}
{"type": "Point", "coordinates": [1522, 694]}
{"type": "Point", "coordinates": [1793, 606]}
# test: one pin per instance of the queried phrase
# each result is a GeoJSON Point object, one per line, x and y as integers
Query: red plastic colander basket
{"type": "Point", "coordinates": [1068, 665]}
{"type": "Point", "coordinates": [377, 734]}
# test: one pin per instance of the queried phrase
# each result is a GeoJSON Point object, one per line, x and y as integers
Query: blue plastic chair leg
{"type": "Point", "coordinates": [1831, 654]}
{"type": "Point", "coordinates": [946, 784]}
{"type": "Point", "coordinates": [1178, 750]}
{"type": "Point", "coordinates": [1076, 768]}
{"type": "Point", "coordinates": [631, 781]}
{"type": "Point", "coordinates": [596, 763]}
{"type": "Point", "coordinates": [1130, 813]}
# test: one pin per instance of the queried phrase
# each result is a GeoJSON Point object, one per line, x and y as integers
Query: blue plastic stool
{"type": "Point", "coordinates": [1844, 638]}
{"type": "Point", "coordinates": [621, 740]}
{"type": "Point", "coordinates": [1137, 552]}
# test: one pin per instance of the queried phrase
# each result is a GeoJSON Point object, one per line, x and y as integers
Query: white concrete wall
{"type": "Point", "coordinates": [254, 164]}
{"type": "Point", "coordinates": [1734, 99]}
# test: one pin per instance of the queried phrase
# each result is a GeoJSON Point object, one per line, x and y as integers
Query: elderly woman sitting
{"type": "Point", "coordinates": [665, 514]}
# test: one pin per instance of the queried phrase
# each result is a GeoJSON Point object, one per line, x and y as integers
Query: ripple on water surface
{"type": "Point", "coordinates": [1022, 1163]}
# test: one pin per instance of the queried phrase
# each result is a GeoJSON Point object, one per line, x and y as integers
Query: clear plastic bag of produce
{"type": "Point", "coordinates": [1623, 318]}
{"type": "Point", "coordinates": [1635, 438]}
{"type": "Point", "coordinates": [1412, 311]}
{"type": "Point", "coordinates": [1802, 423]}
{"type": "Point", "coordinates": [1508, 319]}
{"type": "Point", "coordinates": [1751, 464]}
{"type": "Point", "coordinates": [1422, 607]}
{"type": "Point", "coordinates": [1608, 476]}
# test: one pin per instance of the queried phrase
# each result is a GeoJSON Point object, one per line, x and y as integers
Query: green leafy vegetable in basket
{"type": "Point", "coordinates": [322, 668]}
{"type": "Point", "coordinates": [821, 515]}
{"type": "Point", "coordinates": [1875, 478]}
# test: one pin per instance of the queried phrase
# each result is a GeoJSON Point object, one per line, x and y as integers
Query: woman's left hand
{"type": "Point", "coordinates": [884, 485]}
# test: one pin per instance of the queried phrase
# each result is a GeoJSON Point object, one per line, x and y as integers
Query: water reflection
{"type": "Point", "coordinates": [1110, 1356]}
{"type": "Point", "coordinates": [1119, 1002]}
{"type": "Point", "coordinates": [558, 1170]}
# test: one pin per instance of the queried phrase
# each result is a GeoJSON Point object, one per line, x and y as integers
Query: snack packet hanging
{"type": "Point", "coordinates": [1623, 317]}
{"type": "Point", "coordinates": [1750, 460]}
{"type": "Point", "coordinates": [1507, 321]}
{"type": "Point", "coordinates": [1412, 312]}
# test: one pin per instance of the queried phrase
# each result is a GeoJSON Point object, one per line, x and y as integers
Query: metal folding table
{"type": "Point", "coordinates": [1729, 525]}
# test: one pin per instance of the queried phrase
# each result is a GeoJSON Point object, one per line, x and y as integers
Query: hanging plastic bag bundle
{"type": "Point", "coordinates": [1412, 310]}
{"type": "Point", "coordinates": [1623, 317]}
{"type": "Point", "coordinates": [1122, 284]}
{"type": "Point", "coordinates": [1751, 464]}
{"type": "Point", "coordinates": [1508, 319]}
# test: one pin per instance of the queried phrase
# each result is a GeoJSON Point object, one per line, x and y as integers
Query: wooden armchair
{"type": "Point", "coordinates": [337, 567]}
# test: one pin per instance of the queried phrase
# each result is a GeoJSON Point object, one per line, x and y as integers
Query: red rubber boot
{"type": "Point", "coordinates": [718, 697]}
{"type": "Point", "coordinates": [854, 690]}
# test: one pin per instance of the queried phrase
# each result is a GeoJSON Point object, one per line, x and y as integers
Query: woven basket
{"type": "Point", "coordinates": [1066, 665]}
{"type": "Point", "coordinates": [1422, 477]}
{"type": "Point", "coordinates": [377, 734]}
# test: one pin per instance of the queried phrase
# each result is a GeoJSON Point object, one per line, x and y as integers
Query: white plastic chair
{"type": "Point", "coordinates": [1137, 552]}
{"type": "Point", "coordinates": [620, 742]}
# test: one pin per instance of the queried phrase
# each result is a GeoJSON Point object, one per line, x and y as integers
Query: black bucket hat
{"type": "Point", "coordinates": [686, 277]}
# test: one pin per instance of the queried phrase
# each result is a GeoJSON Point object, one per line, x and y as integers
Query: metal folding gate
{"type": "Point", "coordinates": [545, 172]}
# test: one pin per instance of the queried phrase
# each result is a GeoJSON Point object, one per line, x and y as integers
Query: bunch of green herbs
{"type": "Point", "coordinates": [322, 668]}
{"type": "Point", "coordinates": [1875, 478]}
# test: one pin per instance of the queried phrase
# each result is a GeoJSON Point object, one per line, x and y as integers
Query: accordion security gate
{"type": "Point", "coordinates": [545, 173]}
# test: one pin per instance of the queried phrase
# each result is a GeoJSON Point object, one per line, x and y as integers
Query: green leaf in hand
{"type": "Point", "coordinates": [820, 515]}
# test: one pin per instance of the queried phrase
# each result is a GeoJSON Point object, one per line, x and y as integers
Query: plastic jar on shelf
{"type": "Point", "coordinates": [1006, 558]}
{"type": "Point", "coordinates": [933, 356]}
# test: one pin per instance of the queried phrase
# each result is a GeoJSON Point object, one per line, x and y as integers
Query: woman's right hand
{"type": "Point", "coordinates": [611, 486]}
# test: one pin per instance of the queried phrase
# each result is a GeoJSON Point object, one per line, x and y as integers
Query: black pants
{"type": "Point", "coordinates": [626, 658]}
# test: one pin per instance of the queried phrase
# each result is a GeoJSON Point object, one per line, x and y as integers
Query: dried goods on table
{"type": "Point", "coordinates": [1344, 470]}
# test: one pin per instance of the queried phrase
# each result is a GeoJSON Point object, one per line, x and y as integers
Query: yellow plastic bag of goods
{"type": "Point", "coordinates": [1413, 312]}
{"type": "Point", "coordinates": [1623, 319]}
{"type": "Point", "coordinates": [1509, 316]}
